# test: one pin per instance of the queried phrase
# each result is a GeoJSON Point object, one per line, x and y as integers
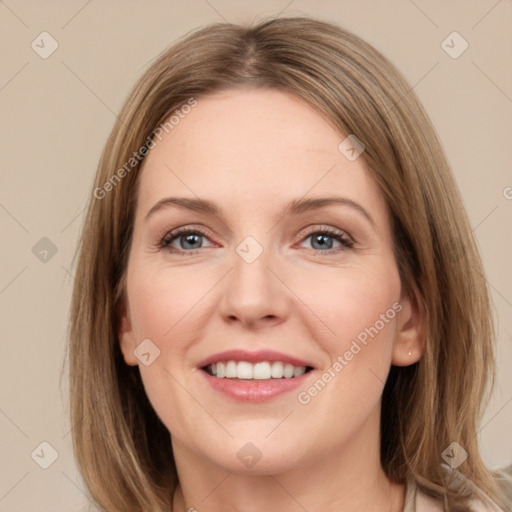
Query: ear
{"type": "Point", "coordinates": [410, 337]}
{"type": "Point", "coordinates": [126, 336]}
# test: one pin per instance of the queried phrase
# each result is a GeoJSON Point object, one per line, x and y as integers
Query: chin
{"type": "Point", "coordinates": [258, 455]}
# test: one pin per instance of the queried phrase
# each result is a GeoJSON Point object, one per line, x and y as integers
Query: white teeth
{"type": "Point", "coordinates": [261, 371]}
{"type": "Point", "coordinates": [244, 370]}
{"type": "Point", "coordinates": [231, 370]}
{"type": "Point", "coordinates": [277, 371]}
{"type": "Point", "coordinates": [258, 371]}
{"type": "Point", "coordinates": [288, 371]}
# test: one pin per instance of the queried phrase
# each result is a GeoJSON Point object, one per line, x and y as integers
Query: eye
{"type": "Point", "coordinates": [188, 240]}
{"type": "Point", "coordinates": [323, 240]}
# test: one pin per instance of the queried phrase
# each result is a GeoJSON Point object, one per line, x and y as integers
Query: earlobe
{"type": "Point", "coordinates": [126, 337]}
{"type": "Point", "coordinates": [409, 342]}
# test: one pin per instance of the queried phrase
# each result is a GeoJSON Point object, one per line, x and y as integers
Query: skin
{"type": "Point", "coordinates": [252, 152]}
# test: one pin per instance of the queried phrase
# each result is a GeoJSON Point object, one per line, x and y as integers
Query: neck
{"type": "Point", "coordinates": [347, 478]}
{"type": "Point", "coordinates": [271, 493]}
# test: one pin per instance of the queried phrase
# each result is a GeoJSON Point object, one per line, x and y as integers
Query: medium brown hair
{"type": "Point", "coordinates": [122, 449]}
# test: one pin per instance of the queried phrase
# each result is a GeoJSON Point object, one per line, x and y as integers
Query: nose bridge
{"type": "Point", "coordinates": [252, 291]}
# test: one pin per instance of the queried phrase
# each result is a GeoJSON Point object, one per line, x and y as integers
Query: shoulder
{"type": "Point", "coordinates": [418, 501]}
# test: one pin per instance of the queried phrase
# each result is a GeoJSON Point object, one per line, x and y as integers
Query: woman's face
{"type": "Point", "coordinates": [273, 283]}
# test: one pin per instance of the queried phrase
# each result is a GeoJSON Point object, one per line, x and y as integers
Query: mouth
{"type": "Point", "coordinates": [254, 376]}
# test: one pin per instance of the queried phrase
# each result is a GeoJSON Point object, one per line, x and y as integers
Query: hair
{"type": "Point", "coordinates": [122, 449]}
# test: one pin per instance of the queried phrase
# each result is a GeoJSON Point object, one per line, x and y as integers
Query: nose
{"type": "Point", "coordinates": [254, 295]}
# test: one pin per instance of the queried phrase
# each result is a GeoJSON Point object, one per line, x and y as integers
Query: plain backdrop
{"type": "Point", "coordinates": [56, 113]}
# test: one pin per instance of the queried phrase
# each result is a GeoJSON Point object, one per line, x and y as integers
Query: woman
{"type": "Point", "coordinates": [320, 345]}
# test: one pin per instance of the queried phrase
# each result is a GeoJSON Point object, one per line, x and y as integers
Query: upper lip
{"type": "Point", "coordinates": [253, 357]}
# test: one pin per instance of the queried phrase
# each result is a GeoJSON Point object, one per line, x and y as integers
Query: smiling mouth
{"type": "Point", "coordinates": [264, 370]}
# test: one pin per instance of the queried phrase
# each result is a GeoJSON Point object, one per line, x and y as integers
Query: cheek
{"type": "Point", "coordinates": [362, 311]}
{"type": "Point", "coordinates": [164, 307]}
{"type": "Point", "coordinates": [356, 305]}
{"type": "Point", "coordinates": [163, 302]}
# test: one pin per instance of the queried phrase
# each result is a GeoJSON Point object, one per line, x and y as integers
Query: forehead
{"type": "Point", "coordinates": [257, 148]}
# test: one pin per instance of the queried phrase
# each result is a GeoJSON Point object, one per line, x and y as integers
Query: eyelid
{"type": "Point", "coordinates": [325, 228]}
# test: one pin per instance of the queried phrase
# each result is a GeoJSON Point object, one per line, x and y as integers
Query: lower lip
{"type": "Point", "coordinates": [254, 390]}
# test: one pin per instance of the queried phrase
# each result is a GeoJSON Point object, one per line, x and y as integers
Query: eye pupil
{"type": "Point", "coordinates": [190, 239]}
{"type": "Point", "coordinates": [321, 240]}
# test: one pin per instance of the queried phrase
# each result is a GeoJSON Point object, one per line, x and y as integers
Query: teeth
{"type": "Point", "coordinates": [288, 371]}
{"type": "Point", "coordinates": [230, 370]}
{"type": "Point", "coordinates": [243, 370]}
{"type": "Point", "coordinates": [277, 370]}
{"type": "Point", "coordinates": [261, 371]}
{"type": "Point", "coordinates": [298, 371]}
{"type": "Point", "coordinates": [258, 371]}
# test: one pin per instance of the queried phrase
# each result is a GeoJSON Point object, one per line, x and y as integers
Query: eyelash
{"type": "Point", "coordinates": [342, 237]}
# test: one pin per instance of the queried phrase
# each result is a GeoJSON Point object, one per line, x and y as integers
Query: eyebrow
{"type": "Point", "coordinates": [296, 207]}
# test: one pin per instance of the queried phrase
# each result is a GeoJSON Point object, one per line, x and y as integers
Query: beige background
{"type": "Point", "coordinates": [57, 112]}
